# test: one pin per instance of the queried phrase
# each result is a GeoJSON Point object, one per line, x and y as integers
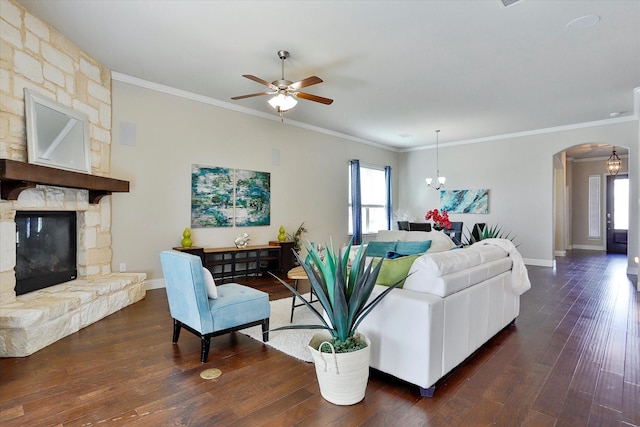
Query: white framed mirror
{"type": "Point", "coordinates": [57, 135]}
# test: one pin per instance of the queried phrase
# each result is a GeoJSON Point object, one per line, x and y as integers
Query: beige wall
{"type": "Point", "coordinates": [172, 133]}
{"type": "Point", "coordinates": [519, 173]}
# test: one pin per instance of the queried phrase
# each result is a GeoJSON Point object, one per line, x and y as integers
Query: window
{"type": "Point", "coordinates": [594, 207]}
{"type": "Point", "coordinates": [621, 204]}
{"type": "Point", "coordinates": [373, 196]}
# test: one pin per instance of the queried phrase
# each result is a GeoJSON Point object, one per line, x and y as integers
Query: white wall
{"type": "Point", "coordinates": [519, 174]}
{"type": "Point", "coordinates": [172, 133]}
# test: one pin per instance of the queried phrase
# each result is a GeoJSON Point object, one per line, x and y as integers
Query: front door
{"type": "Point", "coordinates": [617, 213]}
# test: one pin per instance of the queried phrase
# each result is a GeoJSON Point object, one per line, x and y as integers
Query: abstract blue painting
{"type": "Point", "coordinates": [465, 201]}
{"type": "Point", "coordinates": [253, 199]}
{"type": "Point", "coordinates": [222, 196]}
{"type": "Point", "coordinates": [211, 196]}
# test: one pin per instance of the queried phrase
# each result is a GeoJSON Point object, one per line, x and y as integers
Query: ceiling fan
{"type": "Point", "coordinates": [286, 91]}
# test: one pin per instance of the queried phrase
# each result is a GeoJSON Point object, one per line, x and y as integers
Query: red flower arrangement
{"type": "Point", "coordinates": [440, 219]}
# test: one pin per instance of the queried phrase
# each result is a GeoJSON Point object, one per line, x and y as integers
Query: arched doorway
{"type": "Point", "coordinates": [581, 217]}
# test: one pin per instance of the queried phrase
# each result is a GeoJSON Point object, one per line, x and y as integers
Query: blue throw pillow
{"type": "Point", "coordinates": [380, 249]}
{"type": "Point", "coordinates": [393, 255]}
{"type": "Point", "coordinates": [411, 248]}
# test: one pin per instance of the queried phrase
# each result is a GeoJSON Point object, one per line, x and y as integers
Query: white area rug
{"type": "Point", "coordinates": [290, 341]}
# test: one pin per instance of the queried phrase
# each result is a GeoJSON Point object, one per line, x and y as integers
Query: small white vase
{"type": "Point", "coordinates": [342, 377]}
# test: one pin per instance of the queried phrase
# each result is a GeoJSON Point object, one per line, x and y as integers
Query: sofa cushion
{"type": "Point", "coordinates": [396, 269]}
{"type": "Point", "coordinates": [411, 248]}
{"type": "Point", "coordinates": [442, 263]}
{"type": "Point", "coordinates": [488, 252]}
{"type": "Point", "coordinates": [380, 249]}
{"type": "Point", "coordinates": [442, 286]}
{"type": "Point", "coordinates": [238, 304]}
{"type": "Point", "coordinates": [448, 272]}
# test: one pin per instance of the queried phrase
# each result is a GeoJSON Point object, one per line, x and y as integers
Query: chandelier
{"type": "Point", "coordinates": [614, 164]}
{"type": "Point", "coordinates": [439, 179]}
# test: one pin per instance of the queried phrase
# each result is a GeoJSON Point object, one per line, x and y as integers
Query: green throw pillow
{"type": "Point", "coordinates": [380, 249]}
{"type": "Point", "coordinates": [393, 270]}
{"type": "Point", "coordinates": [410, 248]}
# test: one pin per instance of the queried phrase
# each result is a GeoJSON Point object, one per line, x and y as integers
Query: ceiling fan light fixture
{"type": "Point", "coordinates": [285, 91]}
{"type": "Point", "coordinates": [282, 102]}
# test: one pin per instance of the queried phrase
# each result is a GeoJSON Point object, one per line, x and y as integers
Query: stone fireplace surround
{"type": "Point", "coordinates": [35, 320]}
{"type": "Point", "coordinates": [37, 56]}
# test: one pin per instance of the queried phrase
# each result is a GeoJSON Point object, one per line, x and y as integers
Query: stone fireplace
{"type": "Point", "coordinates": [36, 56]}
{"type": "Point", "coordinates": [34, 320]}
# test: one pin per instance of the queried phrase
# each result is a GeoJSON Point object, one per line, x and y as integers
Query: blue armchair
{"type": "Point", "coordinates": [237, 306]}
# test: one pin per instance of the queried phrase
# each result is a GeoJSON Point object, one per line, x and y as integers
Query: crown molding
{"type": "Point", "coordinates": [124, 78]}
{"type": "Point", "coordinates": [594, 159]}
{"type": "Point", "coordinates": [543, 131]}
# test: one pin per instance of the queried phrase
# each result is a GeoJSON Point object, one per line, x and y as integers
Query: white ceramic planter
{"type": "Point", "coordinates": [342, 377]}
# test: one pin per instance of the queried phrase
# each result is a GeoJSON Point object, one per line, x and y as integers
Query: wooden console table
{"type": "Point", "coordinates": [226, 264]}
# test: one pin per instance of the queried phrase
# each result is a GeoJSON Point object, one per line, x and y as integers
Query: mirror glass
{"type": "Point", "coordinates": [57, 135]}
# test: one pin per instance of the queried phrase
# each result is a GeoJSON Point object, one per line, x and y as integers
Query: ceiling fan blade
{"type": "Point", "coordinates": [259, 80]}
{"type": "Point", "coordinates": [314, 98]}
{"type": "Point", "coordinates": [313, 80]}
{"type": "Point", "coordinates": [252, 94]}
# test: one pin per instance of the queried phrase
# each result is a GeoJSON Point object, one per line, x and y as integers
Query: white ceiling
{"type": "Point", "coordinates": [397, 70]}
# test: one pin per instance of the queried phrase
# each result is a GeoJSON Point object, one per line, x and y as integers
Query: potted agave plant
{"type": "Point", "coordinates": [340, 354]}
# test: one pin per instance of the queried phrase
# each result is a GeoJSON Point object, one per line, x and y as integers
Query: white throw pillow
{"type": "Point", "coordinates": [210, 284]}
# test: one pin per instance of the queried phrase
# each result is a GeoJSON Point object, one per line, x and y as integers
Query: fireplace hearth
{"type": "Point", "coordinates": [31, 321]}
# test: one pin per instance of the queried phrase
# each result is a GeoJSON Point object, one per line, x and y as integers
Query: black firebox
{"type": "Point", "coordinates": [45, 249]}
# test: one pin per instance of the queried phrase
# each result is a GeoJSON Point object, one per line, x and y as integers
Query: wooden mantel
{"type": "Point", "coordinates": [17, 176]}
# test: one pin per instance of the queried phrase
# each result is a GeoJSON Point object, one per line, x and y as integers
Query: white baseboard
{"type": "Point", "coordinates": [155, 284]}
{"type": "Point", "coordinates": [632, 270]}
{"type": "Point", "coordinates": [540, 262]}
{"type": "Point", "coordinates": [560, 253]}
{"type": "Point", "coordinates": [590, 247]}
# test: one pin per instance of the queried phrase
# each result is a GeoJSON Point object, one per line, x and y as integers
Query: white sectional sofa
{"type": "Point", "coordinates": [452, 302]}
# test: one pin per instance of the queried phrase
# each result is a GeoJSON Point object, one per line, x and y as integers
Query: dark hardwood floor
{"type": "Point", "coordinates": [572, 359]}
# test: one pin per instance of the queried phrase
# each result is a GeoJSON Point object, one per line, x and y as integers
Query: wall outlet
{"type": "Point", "coordinates": [123, 267]}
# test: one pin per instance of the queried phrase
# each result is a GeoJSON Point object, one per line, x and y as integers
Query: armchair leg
{"type": "Point", "coordinates": [265, 330]}
{"type": "Point", "coordinates": [204, 352]}
{"type": "Point", "coordinates": [176, 330]}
